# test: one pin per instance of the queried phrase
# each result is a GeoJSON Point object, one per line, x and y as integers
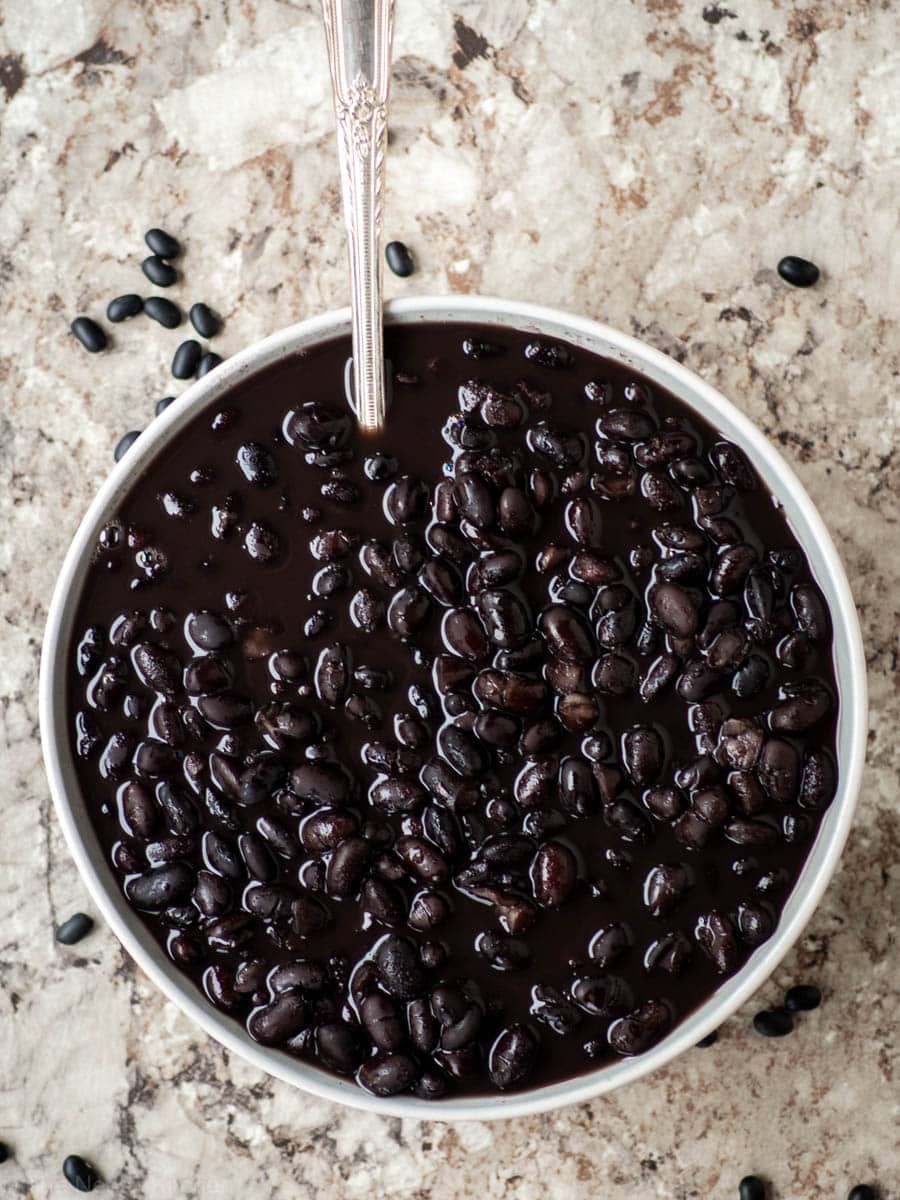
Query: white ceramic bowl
{"type": "Point", "coordinates": [849, 664]}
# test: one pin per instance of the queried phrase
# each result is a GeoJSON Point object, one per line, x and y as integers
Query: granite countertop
{"type": "Point", "coordinates": [646, 163]}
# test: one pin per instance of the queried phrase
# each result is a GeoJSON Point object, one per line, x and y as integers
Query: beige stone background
{"type": "Point", "coordinates": [642, 161]}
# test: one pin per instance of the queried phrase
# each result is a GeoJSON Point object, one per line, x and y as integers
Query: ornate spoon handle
{"type": "Point", "coordinates": [359, 52]}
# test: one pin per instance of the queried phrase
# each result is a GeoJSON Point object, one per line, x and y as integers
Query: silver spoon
{"type": "Point", "coordinates": [359, 34]}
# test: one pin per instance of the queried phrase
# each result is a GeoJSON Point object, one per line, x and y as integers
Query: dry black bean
{"type": "Point", "coordinates": [162, 243]}
{"type": "Point", "coordinates": [158, 271]}
{"type": "Point", "coordinates": [79, 1173]}
{"type": "Point", "coordinates": [399, 259]}
{"type": "Point", "coordinates": [124, 307]}
{"type": "Point", "coordinates": [799, 272]}
{"type": "Point", "coordinates": [163, 311]}
{"type": "Point", "coordinates": [74, 928]}
{"type": "Point", "coordinates": [89, 334]}
{"type": "Point", "coordinates": [204, 320]}
{"type": "Point", "coordinates": [774, 1022]}
{"type": "Point", "coordinates": [208, 363]}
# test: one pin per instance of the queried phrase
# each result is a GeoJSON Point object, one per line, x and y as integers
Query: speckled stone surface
{"type": "Point", "coordinates": [646, 163]}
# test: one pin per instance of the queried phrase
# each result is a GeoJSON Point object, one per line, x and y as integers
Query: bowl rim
{"type": "Point", "coordinates": [698, 395]}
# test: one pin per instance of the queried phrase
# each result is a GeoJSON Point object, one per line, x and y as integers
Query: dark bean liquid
{"type": "Point", "coordinates": [470, 756]}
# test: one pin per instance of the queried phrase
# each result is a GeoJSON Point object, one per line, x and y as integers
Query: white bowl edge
{"type": "Point", "coordinates": [799, 510]}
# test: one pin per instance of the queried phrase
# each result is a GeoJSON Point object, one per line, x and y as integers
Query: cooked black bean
{"type": "Point", "coordinates": [204, 320]}
{"type": "Point", "coordinates": [637, 1032]}
{"type": "Point", "coordinates": [398, 967]}
{"type": "Point", "coordinates": [513, 1056]}
{"type": "Point", "coordinates": [160, 886]}
{"type": "Point", "coordinates": [554, 874]}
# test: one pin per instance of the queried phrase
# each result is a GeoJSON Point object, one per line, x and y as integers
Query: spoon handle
{"type": "Point", "coordinates": [359, 33]}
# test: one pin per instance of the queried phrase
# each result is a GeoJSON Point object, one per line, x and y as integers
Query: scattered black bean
{"type": "Point", "coordinates": [207, 363]}
{"type": "Point", "coordinates": [4, 1152]}
{"type": "Point", "coordinates": [799, 272]}
{"type": "Point", "coordinates": [399, 259]}
{"type": "Point", "coordinates": [124, 307]}
{"type": "Point", "coordinates": [162, 310]}
{"type": "Point", "coordinates": [204, 320]}
{"type": "Point", "coordinates": [77, 926]}
{"type": "Point", "coordinates": [162, 243]}
{"type": "Point", "coordinates": [80, 1174]}
{"type": "Point", "coordinates": [774, 1022]}
{"type": "Point", "coordinates": [752, 1187]}
{"type": "Point", "coordinates": [125, 443]}
{"type": "Point", "coordinates": [186, 359]}
{"type": "Point", "coordinates": [158, 271]}
{"type": "Point", "coordinates": [161, 405]}
{"type": "Point", "coordinates": [709, 1040]}
{"type": "Point", "coordinates": [89, 333]}
{"type": "Point", "coordinates": [862, 1191]}
{"type": "Point", "coordinates": [802, 997]}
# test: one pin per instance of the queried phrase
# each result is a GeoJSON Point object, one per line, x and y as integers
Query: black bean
{"type": "Point", "coordinates": [162, 310]}
{"type": "Point", "coordinates": [279, 1020]}
{"type": "Point", "coordinates": [664, 887]}
{"type": "Point", "coordinates": [672, 608]}
{"type": "Point", "coordinates": [338, 1046]}
{"type": "Point", "coordinates": [346, 867]}
{"type": "Point", "coordinates": [398, 967]}
{"type": "Point", "coordinates": [798, 272]}
{"type": "Point", "coordinates": [554, 874]}
{"type": "Point", "coordinates": [162, 243]}
{"type": "Point", "coordinates": [709, 1040]}
{"type": "Point", "coordinates": [751, 677]}
{"type": "Point", "coordinates": [124, 307]}
{"type": "Point", "coordinates": [79, 1173]}
{"type": "Point", "coordinates": [208, 363]}
{"type": "Point", "coordinates": [160, 886]}
{"type": "Point", "coordinates": [479, 348]}
{"type": "Point", "coordinates": [423, 860]}
{"type": "Point", "coordinates": [802, 997]}
{"type": "Point", "coordinates": [158, 271]}
{"type": "Point", "coordinates": [204, 320]}
{"type": "Point", "coordinates": [671, 953]}
{"type": "Point", "coordinates": [862, 1191]}
{"type": "Point", "coordinates": [804, 705]}
{"type": "Point", "coordinates": [554, 355]}
{"type": "Point", "coordinates": [89, 333]}
{"type": "Point", "coordinates": [382, 1021]}
{"type": "Point", "coordinates": [399, 259]}
{"type": "Point", "coordinates": [606, 996]}
{"type": "Point", "coordinates": [635, 1033]}
{"type": "Point", "coordinates": [751, 1187]}
{"type": "Point", "coordinates": [76, 927]}
{"type": "Point", "coordinates": [513, 1056]}
{"type": "Point", "coordinates": [388, 1074]}
{"type": "Point", "coordinates": [773, 1022]}
{"type": "Point", "coordinates": [125, 443]}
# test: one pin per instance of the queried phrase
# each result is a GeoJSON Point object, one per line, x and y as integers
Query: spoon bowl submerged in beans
{"type": "Point", "coordinates": [468, 759]}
